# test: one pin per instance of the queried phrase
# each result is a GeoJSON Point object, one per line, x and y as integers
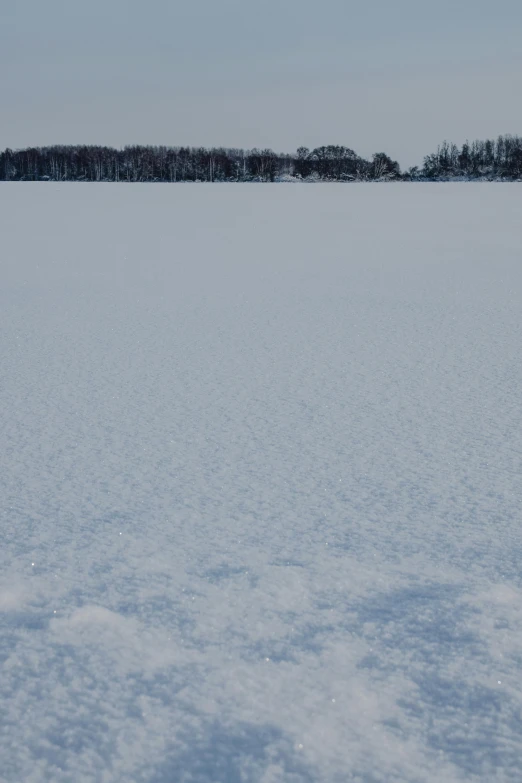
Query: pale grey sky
{"type": "Point", "coordinates": [391, 75]}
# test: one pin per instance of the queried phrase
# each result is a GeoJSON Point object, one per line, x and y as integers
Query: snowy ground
{"type": "Point", "coordinates": [261, 481]}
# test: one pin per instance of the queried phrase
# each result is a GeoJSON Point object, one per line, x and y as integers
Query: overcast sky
{"type": "Point", "coordinates": [391, 75]}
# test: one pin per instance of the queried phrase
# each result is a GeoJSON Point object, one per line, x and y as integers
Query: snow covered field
{"type": "Point", "coordinates": [261, 483]}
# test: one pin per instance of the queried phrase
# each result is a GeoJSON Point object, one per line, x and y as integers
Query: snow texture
{"type": "Point", "coordinates": [261, 481]}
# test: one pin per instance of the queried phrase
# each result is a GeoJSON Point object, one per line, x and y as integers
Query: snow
{"type": "Point", "coordinates": [261, 481]}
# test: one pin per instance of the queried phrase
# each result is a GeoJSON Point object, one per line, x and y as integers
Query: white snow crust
{"type": "Point", "coordinates": [261, 483]}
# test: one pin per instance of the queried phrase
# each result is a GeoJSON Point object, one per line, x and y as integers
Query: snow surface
{"type": "Point", "coordinates": [261, 481]}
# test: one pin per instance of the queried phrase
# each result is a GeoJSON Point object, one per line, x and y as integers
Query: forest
{"type": "Point", "coordinates": [499, 159]}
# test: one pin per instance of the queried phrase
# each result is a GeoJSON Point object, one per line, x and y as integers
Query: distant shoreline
{"type": "Point", "coordinates": [497, 160]}
{"type": "Point", "coordinates": [419, 180]}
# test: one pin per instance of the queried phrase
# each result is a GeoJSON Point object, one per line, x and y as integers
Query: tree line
{"type": "Point", "coordinates": [189, 164]}
{"type": "Point", "coordinates": [491, 159]}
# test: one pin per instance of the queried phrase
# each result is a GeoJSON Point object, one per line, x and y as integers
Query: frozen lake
{"type": "Point", "coordinates": [261, 483]}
